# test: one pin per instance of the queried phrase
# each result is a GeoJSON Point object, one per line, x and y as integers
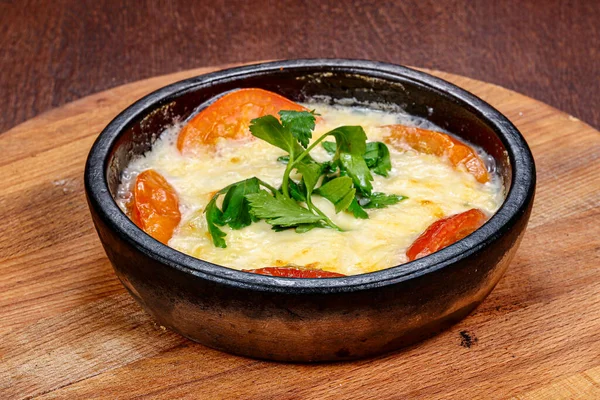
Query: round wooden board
{"type": "Point", "coordinates": [69, 329]}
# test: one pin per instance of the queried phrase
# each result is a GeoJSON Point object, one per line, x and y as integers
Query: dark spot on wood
{"type": "Point", "coordinates": [342, 353]}
{"type": "Point", "coordinates": [468, 339]}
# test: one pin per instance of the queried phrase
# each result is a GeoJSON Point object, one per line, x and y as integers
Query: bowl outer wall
{"type": "Point", "coordinates": [354, 316]}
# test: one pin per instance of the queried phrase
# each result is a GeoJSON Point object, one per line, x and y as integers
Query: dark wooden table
{"type": "Point", "coordinates": [53, 52]}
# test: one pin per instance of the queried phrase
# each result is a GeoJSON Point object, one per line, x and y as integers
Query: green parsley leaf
{"type": "Point", "coordinates": [303, 228]}
{"type": "Point", "coordinates": [235, 207]}
{"type": "Point", "coordinates": [278, 228]}
{"type": "Point", "coordinates": [357, 169]}
{"type": "Point", "coordinates": [269, 129]}
{"type": "Point", "coordinates": [213, 215]}
{"type": "Point", "coordinates": [297, 190]}
{"type": "Point", "coordinates": [330, 147]}
{"type": "Point", "coordinates": [351, 145]}
{"type": "Point", "coordinates": [371, 154]}
{"type": "Point", "coordinates": [299, 123]}
{"type": "Point", "coordinates": [235, 213]}
{"type": "Point", "coordinates": [339, 191]}
{"type": "Point", "coordinates": [279, 210]}
{"type": "Point", "coordinates": [311, 171]}
{"type": "Point", "coordinates": [357, 210]}
{"type": "Point", "coordinates": [377, 157]}
{"type": "Point", "coordinates": [380, 200]}
{"type": "Point", "coordinates": [330, 167]}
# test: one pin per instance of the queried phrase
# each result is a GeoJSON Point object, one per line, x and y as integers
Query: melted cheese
{"type": "Point", "coordinates": [434, 189]}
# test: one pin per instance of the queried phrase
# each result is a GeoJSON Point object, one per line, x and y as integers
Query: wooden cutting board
{"type": "Point", "coordinates": [69, 330]}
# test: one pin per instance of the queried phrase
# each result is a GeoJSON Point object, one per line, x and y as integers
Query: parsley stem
{"type": "Point", "coordinates": [265, 184]}
{"type": "Point", "coordinates": [308, 150]}
{"type": "Point", "coordinates": [311, 206]}
{"type": "Point", "coordinates": [286, 175]}
{"type": "Point", "coordinates": [328, 221]}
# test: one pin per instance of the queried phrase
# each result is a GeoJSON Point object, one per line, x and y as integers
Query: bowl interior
{"type": "Point", "coordinates": [301, 83]}
{"type": "Point", "coordinates": [134, 131]}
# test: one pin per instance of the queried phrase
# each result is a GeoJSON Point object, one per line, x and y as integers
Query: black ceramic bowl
{"type": "Point", "coordinates": [312, 319]}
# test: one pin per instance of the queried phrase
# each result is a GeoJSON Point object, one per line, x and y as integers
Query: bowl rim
{"type": "Point", "coordinates": [516, 202]}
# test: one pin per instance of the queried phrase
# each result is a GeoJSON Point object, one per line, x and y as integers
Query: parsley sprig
{"type": "Point", "coordinates": [345, 180]}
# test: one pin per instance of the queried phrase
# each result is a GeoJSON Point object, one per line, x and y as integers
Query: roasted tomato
{"type": "Point", "coordinates": [293, 272]}
{"type": "Point", "coordinates": [229, 117]}
{"type": "Point", "coordinates": [439, 144]}
{"type": "Point", "coordinates": [155, 207]}
{"type": "Point", "coordinates": [444, 232]}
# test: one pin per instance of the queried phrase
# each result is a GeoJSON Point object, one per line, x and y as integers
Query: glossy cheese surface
{"type": "Point", "coordinates": [435, 189]}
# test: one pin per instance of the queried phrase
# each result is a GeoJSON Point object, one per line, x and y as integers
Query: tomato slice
{"type": "Point", "coordinates": [229, 117]}
{"type": "Point", "coordinates": [155, 206]}
{"type": "Point", "coordinates": [439, 144]}
{"type": "Point", "coordinates": [292, 272]}
{"type": "Point", "coordinates": [444, 232]}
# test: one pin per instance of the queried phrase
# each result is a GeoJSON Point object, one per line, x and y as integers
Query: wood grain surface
{"type": "Point", "coordinates": [54, 52]}
{"type": "Point", "coordinates": [69, 330]}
